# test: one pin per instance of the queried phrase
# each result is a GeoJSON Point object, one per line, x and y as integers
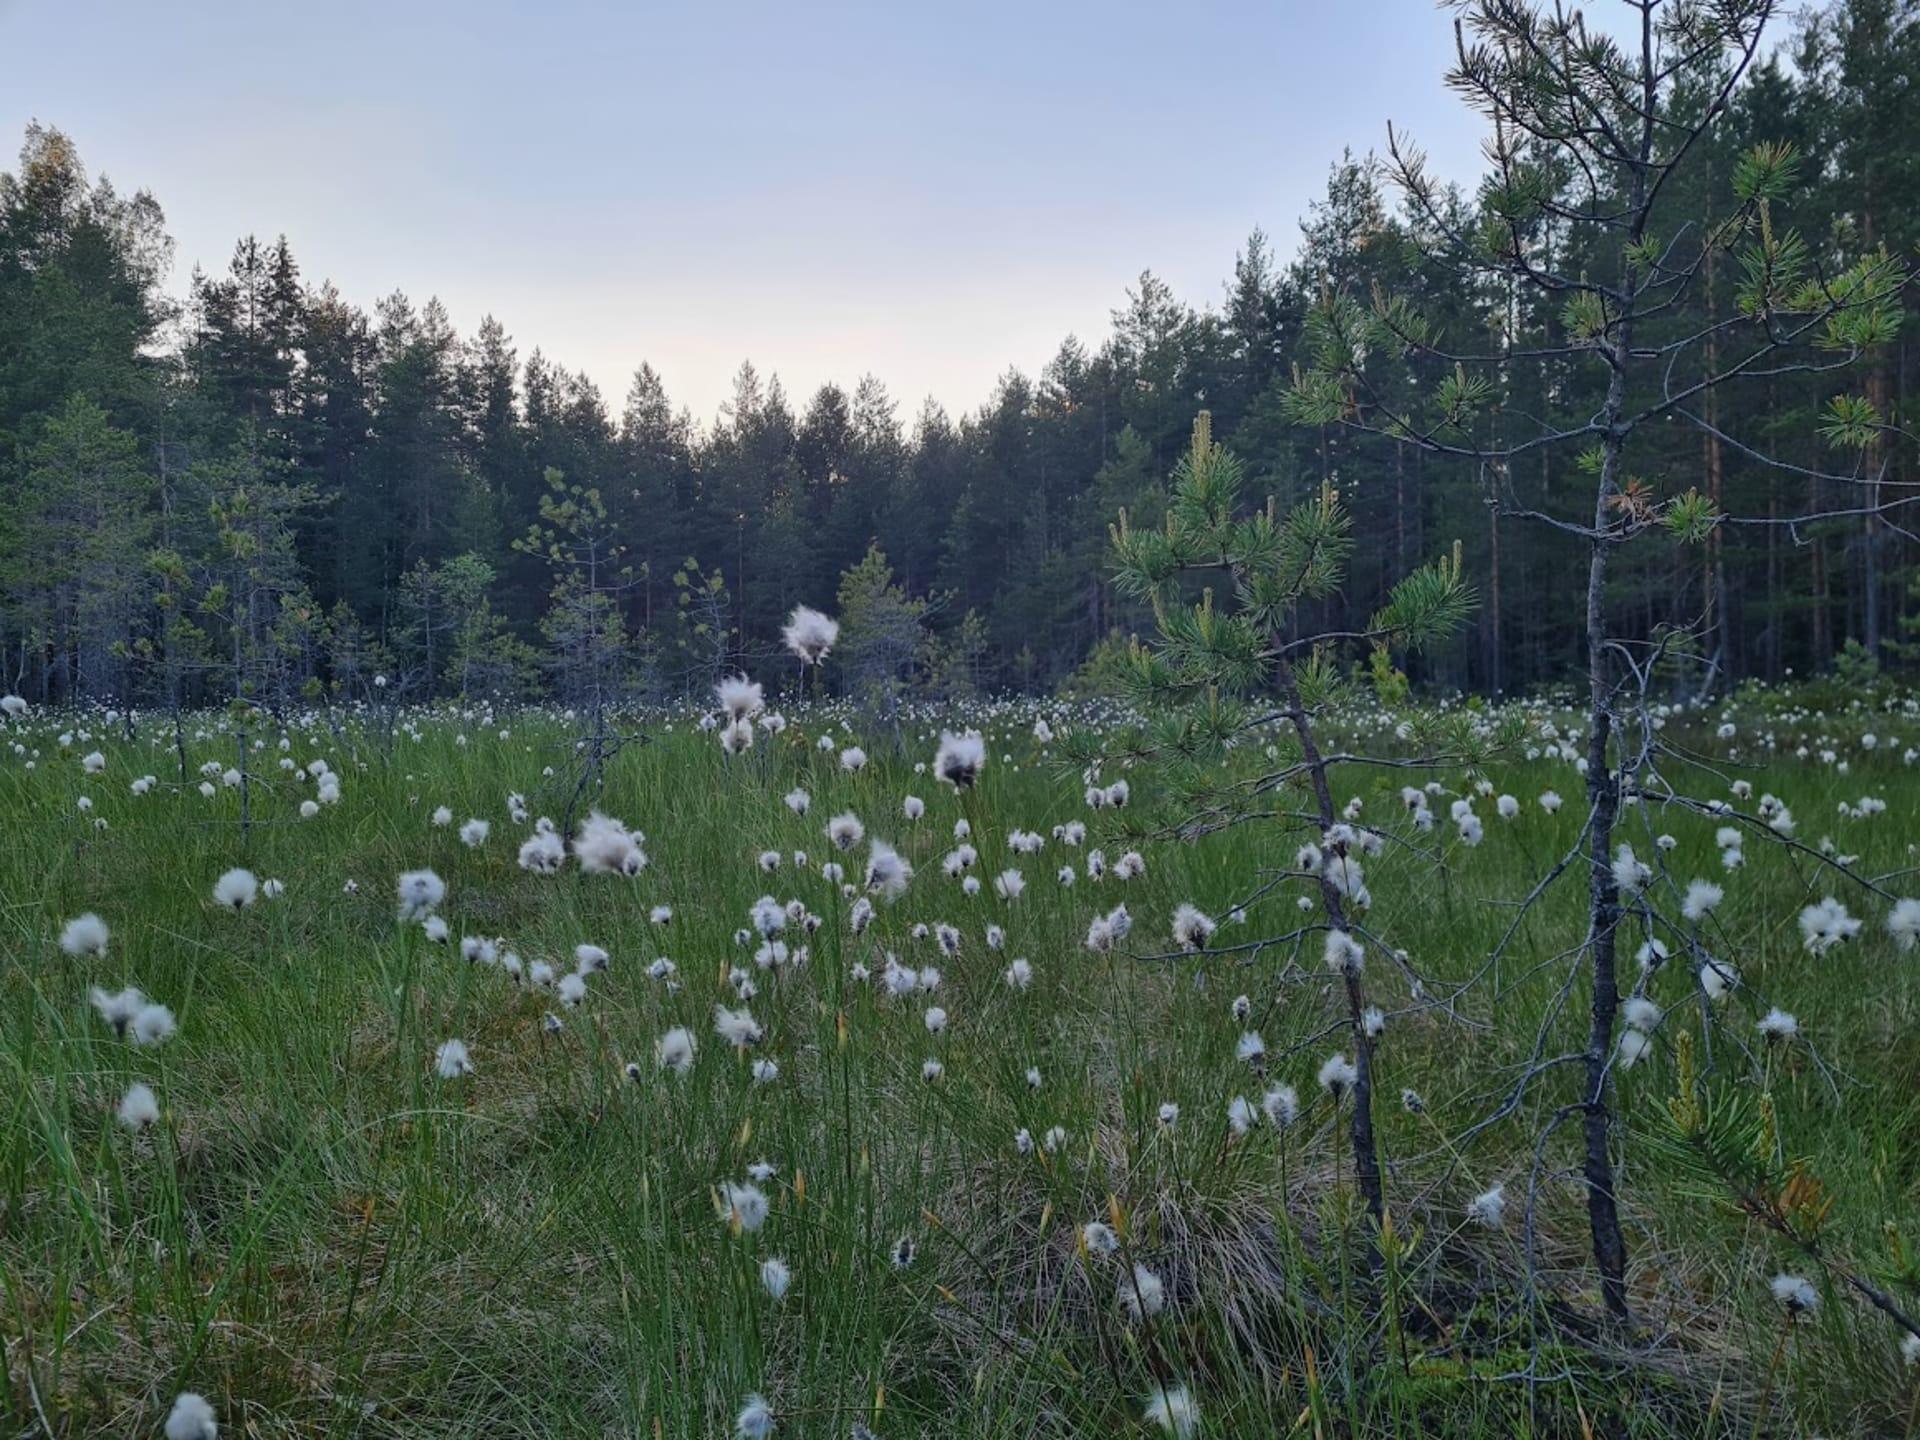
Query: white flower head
{"type": "Point", "coordinates": [1144, 1296]}
{"type": "Point", "coordinates": [1192, 928]}
{"type": "Point", "coordinates": [1634, 1045]}
{"type": "Point", "coordinates": [1630, 874]}
{"type": "Point", "coordinates": [235, 890]}
{"type": "Point", "coordinates": [1172, 1409]}
{"type": "Point", "coordinates": [755, 1420]}
{"type": "Point", "coordinates": [138, 1107]}
{"type": "Point", "coordinates": [1281, 1106]}
{"type": "Point", "coordinates": [1903, 924]}
{"type": "Point", "coordinates": [191, 1419]}
{"type": "Point", "coordinates": [675, 1050]}
{"type": "Point", "coordinates": [604, 846]}
{"type": "Point", "coordinates": [775, 1277]}
{"type": "Point", "coordinates": [960, 759]}
{"type": "Point", "coordinates": [743, 1206]}
{"type": "Point", "coordinates": [1825, 924]}
{"type": "Point", "coordinates": [1718, 978]}
{"type": "Point", "coordinates": [84, 936]}
{"type": "Point", "coordinates": [1795, 1293]}
{"type": "Point", "coordinates": [118, 1008]}
{"type": "Point", "coordinates": [809, 635]}
{"type": "Point", "coordinates": [1338, 1076]}
{"type": "Point", "coordinates": [421, 892]}
{"type": "Point", "coordinates": [737, 1027]}
{"type": "Point", "coordinates": [1344, 954]}
{"type": "Point", "coordinates": [740, 697]}
{"type": "Point", "coordinates": [152, 1025]}
{"type": "Point", "coordinates": [1702, 899]}
{"type": "Point", "coordinates": [1489, 1208]}
{"type": "Point", "coordinates": [1777, 1024]}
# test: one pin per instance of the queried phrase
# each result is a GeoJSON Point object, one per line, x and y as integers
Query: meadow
{"type": "Point", "coordinates": [524, 1150]}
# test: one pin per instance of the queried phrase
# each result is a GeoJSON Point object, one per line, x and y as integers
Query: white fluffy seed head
{"type": "Point", "coordinates": [138, 1107]}
{"type": "Point", "coordinates": [191, 1419]}
{"type": "Point", "coordinates": [84, 936]}
{"type": "Point", "coordinates": [236, 889]}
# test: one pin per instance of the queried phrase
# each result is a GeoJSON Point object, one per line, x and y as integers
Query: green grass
{"type": "Point", "coordinates": [325, 1238]}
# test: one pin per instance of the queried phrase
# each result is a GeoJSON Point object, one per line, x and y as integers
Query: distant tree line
{"type": "Point", "coordinates": [267, 491]}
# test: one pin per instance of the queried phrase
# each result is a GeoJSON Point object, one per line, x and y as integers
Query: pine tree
{"type": "Point", "coordinates": [1591, 137]}
{"type": "Point", "coordinates": [588, 646]}
{"type": "Point", "coordinates": [1238, 660]}
{"type": "Point", "coordinates": [883, 637]}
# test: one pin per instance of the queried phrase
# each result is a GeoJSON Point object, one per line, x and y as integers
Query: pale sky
{"type": "Point", "coordinates": [930, 193]}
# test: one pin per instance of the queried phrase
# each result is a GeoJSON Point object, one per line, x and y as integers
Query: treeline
{"type": "Point", "coordinates": [268, 489]}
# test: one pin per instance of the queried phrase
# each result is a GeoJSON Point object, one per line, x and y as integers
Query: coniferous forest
{"type": "Point", "coordinates": [272, 487]}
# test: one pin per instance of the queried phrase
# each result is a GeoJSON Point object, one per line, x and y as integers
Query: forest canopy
{"type": "Point", "coordinates": [268, 490]}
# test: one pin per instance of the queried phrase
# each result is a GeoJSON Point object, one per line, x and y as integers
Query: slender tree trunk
{"type": "Point", "coordinates": [1494, 637]}
{"type": "Point", "coordinates": [1719, 623]}
{"type": "Point", "coordinates": [1776, 602]}
{"type": "Point", "coordinates": [1875, 462]}
{"type": "Point", "coordinates": [1366, 1155]}
{"type": "Point", "coordinates": [1603, 786]}
{"type": "Point", "coordinates": [1400, 566]}
{"type": "Point", "coordinates": [1603, 917]}
{"type": "Point", "coordinates": [1822, 624]}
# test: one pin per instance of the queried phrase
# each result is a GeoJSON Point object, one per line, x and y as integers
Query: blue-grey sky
{"type": "Point", "coordinates": [928, 192]}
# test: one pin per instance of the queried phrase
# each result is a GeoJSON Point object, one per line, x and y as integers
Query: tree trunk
{"type": "Point", "coordinates": [1603, 787]}
{"type": "Point", "coordinates": [1603, 901]}
{"type": "Point", "coordinates": [1719, 624]}
{"type": "Point", "coordinates": [1875, 461]}
{"type": "Point", "coordinates": [1494, 637]}
{"type": "Point", "coordinates": [1366, 1155]}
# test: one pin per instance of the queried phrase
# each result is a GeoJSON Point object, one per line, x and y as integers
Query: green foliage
{"type": "Point", "coordinates": [1862, 304]}
{"type": "Point", "coordinates": [883, 635]}
{"type": "Point", "coordinates": [1767, 172]}
{"type": "Point", "coordinates": [957, 661]}
{"type": "Point", "coordinates": [453, 632]}
{"type": "Point", "coordinates": [75, 541]}
{"type": "Point", "coordinates": [1725, 1142]}
{"type": "Point", "coordinates": [1273, 565]}
{"type": "Point", "coordinates": [700, 637]}
{"type": "Point", "coordinates": [1103, 674]}
{"type": "Point", "coordinates": [1425, 607]}
{"type": "Point", "coordinates": [1585, 315]}
{"type": "Point", "coordinates": [1855, 668]}
{"type": "Point", "coordinates": [1396, 341]}
{"type": "Point", "coordinates": [302, 1085]}
{"type": "Point", "coordinates": [589, 652]}
{"type": "Point", "coordinates": [1691, 517]}
{"type": "Point", "coordinates": [1851, 422]}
